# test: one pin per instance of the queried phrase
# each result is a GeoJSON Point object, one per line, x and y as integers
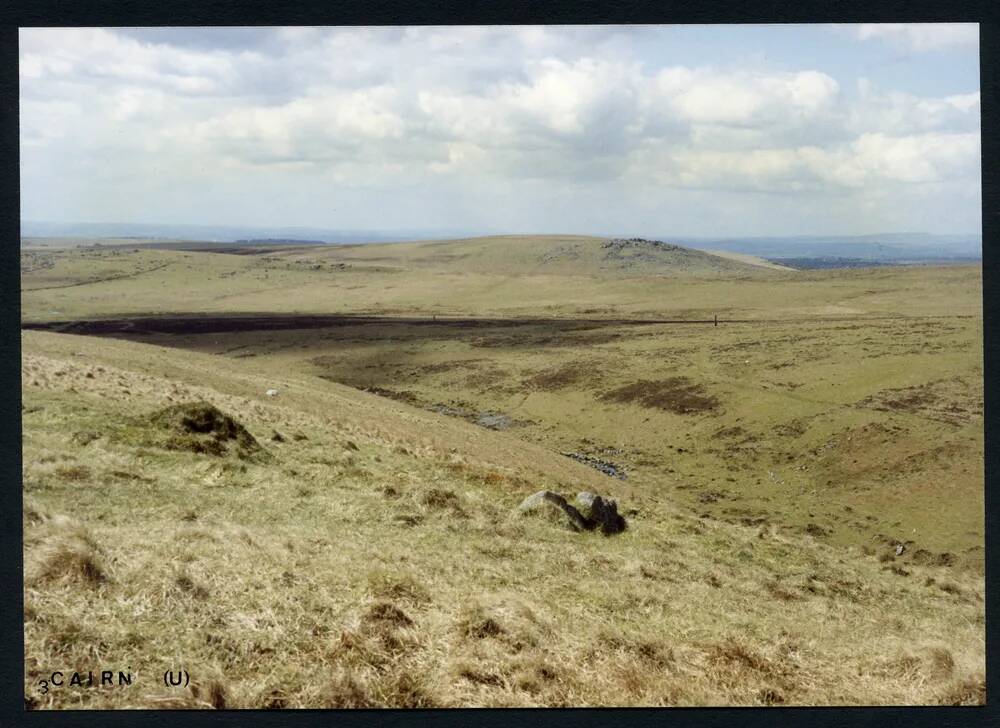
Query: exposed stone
{"type": "Point", "coordinates": [547, 499]}
{"type": "Point", "coordinates": [601, 513]}
{"type": "Point", "coordinates": [494, 421]}
{"type": "Point", "coordinates": [597, 512]}
{"type": "Point", "coordinates": [608, 468]}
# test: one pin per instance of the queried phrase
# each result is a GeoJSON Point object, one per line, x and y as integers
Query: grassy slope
{"type": "Point", "coordinates": [812, 431]}
{"type": "Point", "coordinates": [822, 425]}
{"type": "Point", "coordinates": [745, 258]}
{"type": "Point", "coordinates": [397, 573]}
{"type": "Point", "coordinates": [313, 282]}
{"type": "Point", "coordinates": [537, 254]}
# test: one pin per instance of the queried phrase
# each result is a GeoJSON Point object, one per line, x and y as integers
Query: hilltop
{"type": "Point", "coordinates": [545, 255]}
{"type": "Point", "coordinates": [356, 551]}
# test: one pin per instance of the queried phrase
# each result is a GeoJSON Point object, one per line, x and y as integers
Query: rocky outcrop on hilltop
{"type": "Point", "coordinates": [623, 244]}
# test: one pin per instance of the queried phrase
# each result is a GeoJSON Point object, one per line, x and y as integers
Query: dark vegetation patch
{"type": "Point", "coordinates": [480, 677]}
{"type": "Point", "coordinates": [486, 379]}
{"type": "Point", "coordinates": [84, 437]}
{"type": "Point", "coordinates": [710, 496]}
{"type": "Point", "coordinates": [816, 530]}
{"type": "Point", "coordinates": [924, 557]}
{"type": "Point", "coordinates": [780, 593]}
{"type": "Point", "coordinates": [387, 613]}
{"type": "Point", "coordinates": [950, 401]}
{"type": "Point", "coordinates": [735, 432]}
{"type": "Point", "coordinates": [730, 652]}
{"type": "Point", "coordinates": [676, 394]}
{"type": "Point", "coordinates": [557, 378]}
{"type": "Point", "coordinates": [438, 499]}
{"type": "Point", "coordinates": [480, 626]}
{"type": "Point", "coordinates": [448, 366]}
{"type": "Point", "coordinates": [770, 696]}
{"type": "Point", "coordinates": [524, 331]}
{"type": "Point", "coordinates": [792, 428]}
{"type": "Point", "coordinates": [971, 691]}
{"type": "Point", "coordinates": [73, 472]}
{"type": "Point", "coordinates": [401, 587]}
{"type": "Point", "coordinates": [201, 427]}
{"type": "Point", "coordinates": [126, 475]}
{"type": "Point", "coordinates": [407, 397]}
{"type": "Point", "coordinates": [186, 584]}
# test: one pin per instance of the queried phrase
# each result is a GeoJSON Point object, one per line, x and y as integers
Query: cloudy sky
{"type": "Point", "coordinates": [684, 130]}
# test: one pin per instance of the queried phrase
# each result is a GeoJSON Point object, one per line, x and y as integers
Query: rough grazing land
{"type": "Point", "coordinates": [803, 493]}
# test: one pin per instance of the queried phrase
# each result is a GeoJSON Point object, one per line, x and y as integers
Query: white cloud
{"type": "Point", "coordinates": [743, 98]}
{"type": "Point", "coordinates": [918, 158]}
{"type": "Point", "coordinates": [81, 53]}
{"type": "Point", "coordinates": [896, 112]}
{"type": "Point", "coordinates": [476, 108]}
{"type": "Point", "coordinates": [921, 36]}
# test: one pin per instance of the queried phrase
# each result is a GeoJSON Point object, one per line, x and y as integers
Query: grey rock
{"type": "Point", "coordinates": [549, 499]}
{"type": "Point", "coordinates": [494, 421]}
{"type": "Point", "coordinates": [596, 513]}
{"type": "Point", "coordinates": [608, 468]}
{"type": "Point", "coordinates": [601, 513]}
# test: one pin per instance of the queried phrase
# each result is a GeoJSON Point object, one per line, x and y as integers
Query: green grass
{"type": "Point", "coordinates": [808, 428]}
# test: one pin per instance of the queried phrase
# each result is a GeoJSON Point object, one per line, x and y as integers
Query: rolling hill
{"type": "Point", "coordinates": [544, 255]}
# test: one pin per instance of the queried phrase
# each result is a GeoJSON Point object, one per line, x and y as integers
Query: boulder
{"type": "Point", "coordinates": [601, 513]}
{"type": "Point", "coordinates": [553, 503]}
{"type": "Point", "coordinates": [595, 512]}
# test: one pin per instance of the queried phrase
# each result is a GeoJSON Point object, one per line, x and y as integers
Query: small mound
{"type": "Point", "coordinates": [203, 428]}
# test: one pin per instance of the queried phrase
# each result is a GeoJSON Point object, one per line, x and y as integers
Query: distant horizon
{"type": "Point", "coordinates": [460, 233]}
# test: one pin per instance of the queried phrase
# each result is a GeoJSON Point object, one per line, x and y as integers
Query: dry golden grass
{"type": "Point", "coordinates": [380, 561]}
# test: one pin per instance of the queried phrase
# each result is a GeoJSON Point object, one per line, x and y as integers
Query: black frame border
{"type": "Point", "coordinates": [126, 13]}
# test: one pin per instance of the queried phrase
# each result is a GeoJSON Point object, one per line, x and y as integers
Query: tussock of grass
{"type": "Point", "coordinates": [478, 625]}
{"type": "Point", "coordinates": [394, 587]}
{"type": "Point", "coordinates": [60, 549]}
{"type": "Point", "coordinates": [387, 613]}
{"type": "Point", "coordinates": [345, 691]}
{"type": "Point", "coordinates": [970, 691]}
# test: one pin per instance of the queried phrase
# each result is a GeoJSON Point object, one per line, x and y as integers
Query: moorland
{"type": "Point", "coordinates": [798, 455]}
